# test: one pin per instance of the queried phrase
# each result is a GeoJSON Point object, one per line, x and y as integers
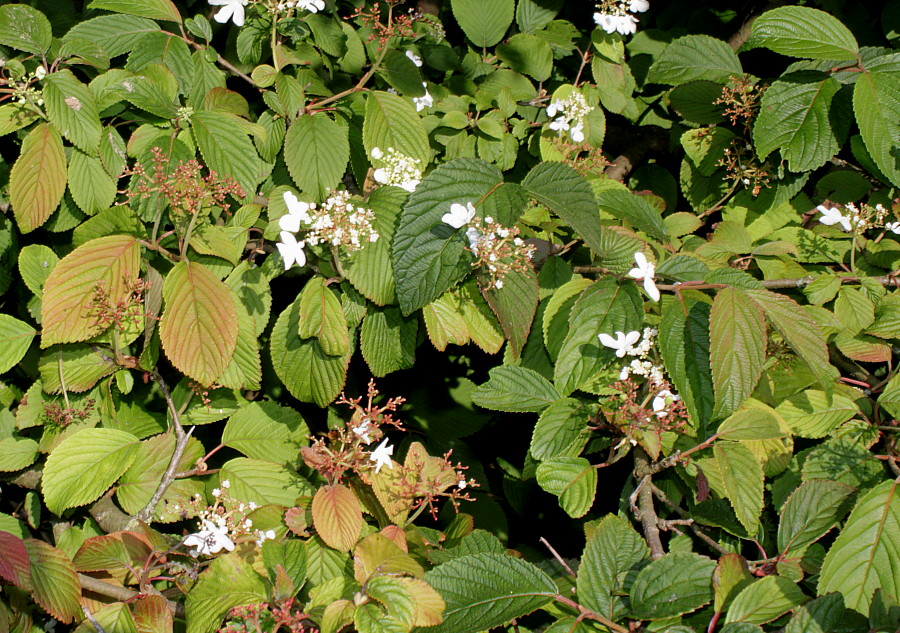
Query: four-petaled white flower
{"type": "Point", "coordinates": [638, 6]}
{"type": "Point", "coordinates": [313, 6]}
{"type": "Point", "coordinates": [382, 455]}
{"type": "Point", "coordinates": [577, 132]}
{"type": "Point", "coordinates": [291, 250]}
{"type": "Point", "coordinates": [663, 399]}
{"type": "Point", "coordinates": [833, 215]}
{"type": "Point", "coordinates": [893, 227]}
{"type": "Point", "coordinates": [645, 270]}
{"type": "Point", "coordinates": [362, 431]}
{"type": "Point", "coordinates": [622, 343]}
{"type": "Point", "coordinates": [414, 58]}
{"type": "Point", "coordinates": [262, 537]}
{"type": "Point", "coordinates": [231, 10]}
{"type": "Point", "coordinates": [459, 215]}
{"type": "Point", "coordinates": [210, 540]}
{"type": "Point", "coordinates": [297, 212]}
{"type": "Point", "coordinates": [425, 101]}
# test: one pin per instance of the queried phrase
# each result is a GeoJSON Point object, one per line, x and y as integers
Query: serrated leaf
{"type": "Point", "coordinates": [803, 32]}
{"type": "Point", "coordinates": [751, 423]}
{"type": "Point", "coordinates": [37, 180]}
{"type": "Point", "coordinates": [15, 116]}
{"type": "Point", "coordinates": [486, 590]}
{"type": "Point", "coordinates": [821, 615]}
{"type": "Point", "coordinates": [555, 323]}
{"type": "Point", "coordinates": [316, 151]}
{"type": "Point", "coordinates": [515, 389]}
{"type": "Point", "coordinates": [695, 58]}
{"type": "Point", "coordinates": [14, 562]}
{"type": "Point", "coordinates": [642, 214]}
{"type": "Point", "coordinates": [152, 9]}
{"type": "Point", "coordinates": [115, 34]}
{"type": "Point", "coordinates": [484, 24]}
{"type": "Point", "coordinates": [263, 482]}
{"type": "Point", "coordinates": [735, 473]}
{"type": "Point", "coordinates": [765, 600]}
{"type": "Point", "coordinates": [843, 460]}
{"type": "Point", "coordinates": [111, 263]}
{"type": "Point", "coordinates": [812, 414]}
{"type": "Point", "coordinates": [226, 148]}
{"type": "Point", "coordinates": [17, 453]}
{"type": "Point", "coordinates": [94, 457]}
{"type": "Point", "coordinates": [102, 553]}
{"type": "Point", "coordinates": [573, 480]}
{"type": "Point", "coordinates": [677, 583]}
{"type": "Point", "coordinates": [54, 582]}
{"type": "Point", "coordinates": [737, 333]}
{"type": "Point", "coordinates": [515, 305]}
{"type": "Point", "coordinates": [15, 339]}
{"type": "Point", "coordinates": [401, 73]}
{"type": "Point", "coordinates": [731, 575]}
{"type": "Point", "coordinates": [877, 109]}
{"type": "Point", "coordinates": [428, 255]}
{"type": "Point", "coordinates": [92, 189]}
{"type": "Point", "coordinates": [72, 110]}
{"type": "Point", "coordinates": [864, 557]}
{"type": "Point", "coordinates": [80, 366]}
{"type": "Point", "coordinates": [228, 582]}
{"type": "Point", "coordinates": [266, 430]}
{"type": "Point", "coordinates": [561, 430]}
{"type": "Point", "coordinates": [388, 340]}
{"type": "Point", "coordinates": [528, 54]}
{"type": "Point", "coordinates": [370, 270]}
{"type": "Point", "coordinates": [25, 28]}
{"type": "Point", "coordinates": [567, 194]}
{"type": "Point", "coordinates": [337, 516]}
{"type": "Point", "coordinates": [810, 512]}
{"type": "Point", "coordinates": [322, 318]}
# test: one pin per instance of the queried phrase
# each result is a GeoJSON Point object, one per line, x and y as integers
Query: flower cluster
{"type": "Point", "coordinates": [221, 526]}
{"type": "Point", "coordinates": [338, 222]}
{"type": "Point", "coordinates": [570, 113]}
{"type": "Point", "coordinates": [741, 165]}
{"type": "Point", "coordinates": [624, 344]}
{"type": "Point", "coordinates": [313, 6]}
{"type": "Point", "coordinates": [857, 220]}
{"type": "Point", "coordinates": [24, 92]}
{"type": "Point", "coordinates": [396, 169]}
{"type": "Point", "coordinates": [616, 15]}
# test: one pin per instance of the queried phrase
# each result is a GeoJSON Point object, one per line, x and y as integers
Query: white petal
{"type": "Point", "coordinates": [632, 337]}
{"type": "Point", "coordinates": [651, 289]}
{"type": "Point", "coordinates": [607, 340]}
{"type": "Point", "coordinates": [224, 14]}
{"type": "Point", "coordinates": [289, 222]}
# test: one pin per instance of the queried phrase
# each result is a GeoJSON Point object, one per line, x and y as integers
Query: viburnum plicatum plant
{"type": "Point", "coordinates": [449, 316]}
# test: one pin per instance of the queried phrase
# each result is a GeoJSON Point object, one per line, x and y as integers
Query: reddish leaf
{"type": "Point", "coordinates": [54, 581]}
{"type": "Point", "coordinates": [68, 310]}
{"type": "Point", "coordinates": [337, 516]}
{"type": "Point", "coordinates": [199, 327]}
{"type": "Point", "coordinates": [102, 553]}
{"type": "Point", "coordinates": [38, 179]}
{"type": "Point", "coordinates": [14, 564]}
{"type": "Point", "coordinates": [152, 615]}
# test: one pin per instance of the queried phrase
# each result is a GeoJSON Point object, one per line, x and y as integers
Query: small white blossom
{"type": "Point", "coordinates": [459, 215]}
{"type": "Point", "coordinates": [262, 537]}
{"type": "Point", "coordinates": [291, 250]}
{"type": "Point", "coordinates": [40, 72]}
{"type": "Point", "coordinates": [298, 212]}
{"type": "Point", "coordinates": [425, 101]}
{"type": "Point", "coordinates": [414, 58]}
{"type": "Point", "coordinates": [362, 431]}
{"type": "Point", "coordinates": [893, 227]}
{"type": "Point", "coordinates": [398, 169]}
{"type": "Point", "coordinates": [226, 483]}
{"type": "Point", "coordinates": [209, 540]}
{"type": "Point", "coordinates": [382, 455]}
{"type": "Point", "coordinates": [645, 270]}
{"type": "Point", "coordinates": [313, 6]}
{"type": "Point", "coordinates": [638, 6]}
{"type": "Point", "coordinates": [569, 115]}
{"type": "Point", "coordinates": [832, 216]}
{"type": "Point", "coordinates": [231, 10]}
{"type": "Point", "coordinates": [622, 343]}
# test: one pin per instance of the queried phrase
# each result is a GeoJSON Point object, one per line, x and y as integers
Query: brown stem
{"type": "Point", "coordinates": [645, 512]}
{"type": "Point", "coordinates": [123, 594]}
{"type": "Point", "coordinates": [558, 558]}
{"type": "Point", "coordinates": [590, 615]}
{"type": "Point", "coordinates": [108, 515]}
{"type": "Point", "coordinates": [703, 536]}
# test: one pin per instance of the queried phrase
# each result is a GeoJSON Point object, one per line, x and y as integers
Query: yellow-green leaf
{"type": "Point", "coordinates": [38, 178]}
{"type": "Point", "coordinates": [337, 516]}
{"type": "Point", "coordinates": [321, 317]}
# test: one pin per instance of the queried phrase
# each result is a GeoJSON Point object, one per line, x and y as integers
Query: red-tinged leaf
{"type": "Point", "coordinates": [737, 345]}
{"type": "Point", "coordinates": [102, 553]}
{"type": "Point", "coordinates": [68, 310]}
{"type": "Point", "coordinates": [54, 581]}
{"type": "Point", "coordinates": [862, 348]}
{"type": "Point", "coordinates": [199, 327]}
{"type": "Point", "coordinates": [429, 604]}
{"type": "Point", "coordinates": [38, 179]}
{"type": "Point", "coordinates": [337, 516]}
{"type": "Point", "coordinates": [14, 564]}
{"type": "Point", "coordinates": [152, 615]}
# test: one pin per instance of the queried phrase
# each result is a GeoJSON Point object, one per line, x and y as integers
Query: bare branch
{"type": "Point", "coordinates": [122, 594]}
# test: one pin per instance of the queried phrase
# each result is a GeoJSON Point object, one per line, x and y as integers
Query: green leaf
{"type": "Point", "coordinates": [228, 582]}
{"type": "Point", "coordinates": [337, 516]}
{"type": "Point", "coordinates": [684, 345]}
{"type": "Point", "coordinates": [226, 148]}
{"type": "Point", "coordinates": [388, 340]}
{"type": "Point", "coordinates": [152, 9]}
{"type": "Point", "coordinates": [751, 423]}
{"type": "Point", "coordinates": [515, 305]}
{"type": "Point", "coordinates": [561, 430]}
{"type": "Point", "coordinates": [555, 324]}
{"type": "Point", "coordinates": [705, 147]}
{"type": "Point", "coordinates": [392, 121]}
{"type": "Point", "coordinates": [642, 214]}
{"type": "Point", "coordinates": [731, 575]}
{"type": "Point", "coordinates": [25, 28]}
{"type": "Point", "coordinates": [429, 255]}
{"type": "Point", "coordinates": [735, 473]}
{"type": "Point", "coordinates": [370, 270]}
{"type": "Point", "coordinates": [263, 482]}
{"type": "Point", "coordinates": [322, 317]}
{"type": "Point", "coordinates": [737, 333]}
{"type": "Point", "coordinates": [515, 389]}
{"type": "Point", "coordinates": [54, 581]}
{"type": "Point", "coordinates": [402, 74]}
{"type": "Point", "coordinates": [68, 310]}
{"type": "Point", "coordinates": [93, 190]}
{"type": "Point", "coordinates": [677, 583]}
{"type": "Point", "coordinates": [612, 558]}
{"type": "Point", "coordinates": [606, 307]}
{"type": "Point", "coordinates": [17, 453]}
{"type": "Point", "coordinates": [694, 58]}
{"type": "Point", "coordinates": [96, 458]}
{"type": "Point", "coordinates": [800, 331]}
{"type": "Point", "coordinates": [567, 194]}
{"type": "Point", "coordinates": [843, 460]}
{"type": "Point", "coordinates": [811, 414]}
{"type": "Point", "coordinates": [483, 23]}
{"type": "Point", "coordinates": [486, 590]}
{"type": "Point", "coordinates": [877, 109]}
{"type": "Point", "coordinates": [803, 32]}
{"type": "Point", "coordinates": [72, 110]}
{"type": "Point", "coordinates": [316, 151]}
{"type": "Point", "coordinates": [810, 513]}
{"type": "Point", "coordinates": [199, 326]}
{"type": "Point", "coordinates": [266, 431]}
{"type": "Point", "coordinates": [15, 339]}
{"type": "Point", "coordinates": [307, 371]}
{"type": "Point", "coordinates": [115, 34]}
{"type": "Point", "coordinates": [527, 54]}
{"type": "Point", "coordinates": [80, 366]}
{"type": "Point", "coordinates": [821, 615]}
{"type": "Point", "coordinates": [765, 600]}
{"type": "Point", "coordinates": [864, 557]}
{"type": "Point", "coordinates": [15, 116]}
{"type": "Point", "coordinates": [37, 180]}
{"type": "Point", "coordinates": [154, 89]}
{"type": "Point", "coordinates": [533, 15]}
{"type": "Point", "coordinates": [795, 118]}
{"type": "Point", "coordinates": [573, 480]}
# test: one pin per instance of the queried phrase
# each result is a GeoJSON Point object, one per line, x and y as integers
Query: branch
{"type": "Point", "coordinates": [122, 594]}
{"type": "Point", "coordinates": [644, 510]}
{"type": "Point", "coordinates": [590, 615]}
{"type": "Point", "coordinates": [703, 536]}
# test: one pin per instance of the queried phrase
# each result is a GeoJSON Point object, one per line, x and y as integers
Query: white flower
{"type": "Point", "coordinates": [297, 212]}
{"type": "Point", "coordinates": [559, 124]}
{"type": "Point", "coordinates": [231, 10]}
{"type": "Point", "coordinates": [414, 58]}
{"type": "Point", "coordinates": [554, 107]}
{"type": "Point", "coordinates": [382, 455]}
{"type": "Point", "coordinates": [461, 484]}
{"type": "Point", "coordinates": [833, 215]}
{"type": "Point", "coordinates": [425, 101]}
{"type": "Point", "coordinates": [577, 132]}
{"type": "Point", "coordinates": [262, 537]}
{"type": "Point", "coordinates": [622, 343]}
{"type": "Point", "coordinates": [313, 6]}
{"type": "Point", "coordinates": [363, 430]}
{"type": "Point", "coordinates": [226, 483]}
{"type": "Point", "coordinates": [381, 176]}
{"type": "Point", "coordinates": [377, 153]}
{"type": "Point", "coordinates": [459, 215]}
{"type": "Point", "coordinates": [40, 72]}
{"type": "Point", "coordinates": [210, 540]}
{"type": "Point", "coordinates": [663, 399]}
{"type": "Point", "coordinates": [606, 22]}
{"type": "Point", "coordinates": [638, 6]}
{"type": "Point", "coordinates": [645, 270]}
{"type": "Point", "coordinates": [893, 227]}
{"type": "Point", "coordinates": [291, 250]}
{"type": "Point", "coordinates": [626, 24]}
{"type": "Point", "coordinates": [474, 237]}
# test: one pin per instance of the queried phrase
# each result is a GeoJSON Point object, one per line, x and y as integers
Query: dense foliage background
{"type": "Point", "coordinates": [458, 315]}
